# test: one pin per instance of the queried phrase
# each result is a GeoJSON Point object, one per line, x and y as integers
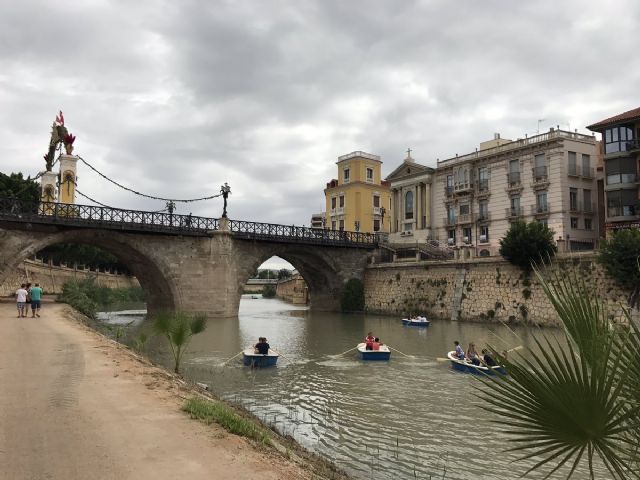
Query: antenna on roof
{"type": "Point", "coordinates": [539, 122]}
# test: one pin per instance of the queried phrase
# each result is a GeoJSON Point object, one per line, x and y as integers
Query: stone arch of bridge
{"type": "Point", "coordinates": [325, 270]}
{"type": "Point", "coordinates": [159, 289]}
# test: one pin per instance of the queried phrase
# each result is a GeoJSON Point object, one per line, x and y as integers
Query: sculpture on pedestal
{"type": "Point", "coordinates": [225, 190]}
{"type": "Point", "coordinates": [59, 134]}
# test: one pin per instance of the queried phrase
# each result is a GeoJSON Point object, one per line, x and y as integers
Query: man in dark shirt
{"type": "Point", "coordinates": [262, 347]}
{"type": "Point", "coordinates": [488, 359]}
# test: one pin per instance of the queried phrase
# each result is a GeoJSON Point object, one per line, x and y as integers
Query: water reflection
{"type": "Point", "coordinates": [410, 418]}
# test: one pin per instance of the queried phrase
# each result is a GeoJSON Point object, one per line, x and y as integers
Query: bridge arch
{"type": "Point", "coordinates": [159, 289]}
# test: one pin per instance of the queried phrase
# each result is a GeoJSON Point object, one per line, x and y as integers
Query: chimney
{"type": "Point", "coordinates": [496, 136]}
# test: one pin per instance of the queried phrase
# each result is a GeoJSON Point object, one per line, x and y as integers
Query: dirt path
{"type": "Point", "coordinates": [75, 406]}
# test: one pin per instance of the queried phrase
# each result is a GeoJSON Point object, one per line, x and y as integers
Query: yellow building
{"type": "Point", "coordinates": [359, 199]}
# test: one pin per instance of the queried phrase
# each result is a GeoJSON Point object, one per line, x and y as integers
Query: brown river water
{"type": "Point", "coordinates": [409, 418]}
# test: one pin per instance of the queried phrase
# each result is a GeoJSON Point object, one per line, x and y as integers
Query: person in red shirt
{"type": "Point", "coordinates": [369, 337]}
{"type": "Point", "coordinates": [376, 344]}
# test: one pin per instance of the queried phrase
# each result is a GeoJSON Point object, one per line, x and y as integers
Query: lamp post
{"type": "Point", "coordinates": [225, 190]}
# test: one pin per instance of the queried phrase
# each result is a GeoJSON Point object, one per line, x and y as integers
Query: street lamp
{"type": "Point", "coordinates": [225, 190]}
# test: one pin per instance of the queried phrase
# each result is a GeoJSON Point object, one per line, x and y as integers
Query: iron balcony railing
{"type": "Point", "coordinates": [91, 216]}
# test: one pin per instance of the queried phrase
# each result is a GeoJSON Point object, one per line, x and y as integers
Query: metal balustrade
{"type": "Point", "coordinates": [91, 216]}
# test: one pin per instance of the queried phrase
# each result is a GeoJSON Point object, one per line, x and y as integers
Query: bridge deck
{"type": "Point", "coordinates": [90, 216]}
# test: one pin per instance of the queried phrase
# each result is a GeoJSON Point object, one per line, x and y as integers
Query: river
{"type": "Point", "coordinates": [409, 418]}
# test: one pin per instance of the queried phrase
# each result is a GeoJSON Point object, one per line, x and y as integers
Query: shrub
{"type": "Point", "coordinates": [620, 256]}
{"type": "Point", "coordinates": [352, 299]}
{"type": "Point", "coordinates": [178, 328]}
{"type": "Point", "coordinates": [268, 291]}
{"type": "Point", "coordinates": [527, 243]}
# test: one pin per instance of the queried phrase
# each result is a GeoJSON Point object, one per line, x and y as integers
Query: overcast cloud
{"type": "Point", "coordinates": [175, 98]}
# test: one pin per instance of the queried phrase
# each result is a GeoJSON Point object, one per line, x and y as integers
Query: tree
{"type": "Point", "coordinates": [178, 328]}
{"type": "Point", "coordinates": [266, 274]}
{"type": "Point", "coordinates": [268, 291]}
{"type": "Point", "coordinates": [620, 257]}
{"type": "Point", "coordinates": [352, 299]}
{"type": "Point", "coordinates": [527, 243]}
{"type": "Point", "coordinates": [578, 399]}
{"type": "Point", "coordinates": [284, 273]}
{"type": "Point", "coordinates": [16, 186]}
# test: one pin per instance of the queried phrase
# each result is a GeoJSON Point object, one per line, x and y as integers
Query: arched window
{"type": "Point", "coordinates": [484, 253]}
{"type": "Point", "coordinates": [408, 205]}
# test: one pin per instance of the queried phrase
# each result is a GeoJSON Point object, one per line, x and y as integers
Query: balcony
{"type": "Point", "coordinates": [589, 208]}
{"type": "Point", "coordinates": [377, 210]}
{"type": "Point", "coordinates": [513, 181]}
{"type": "Point", "coordinates": [542, 209]}
{"type": "Point", "coordinates": [574, 207]}
{"type": "Point", "coordinates": [573, 170]}
{"type": "Point", "coordinates": [621, 181]}
{"type": "Point", "coordinates": [633, 146]}
{"type": "Point", "coordinates": [463, 187]}
{"type": "Point", "coordinates": [450, 221]}
{"type": "Point", "coordinates": [337, 211]}
{"type": "Point", "coordinates": [465, 218]}
{"type": "Point", "coordinates": [482, 188]}
{"type": "Point", "coordinates": [514, 212]}
{"type": "Point", "coordinates": [448, 190]}
{"type": "Point", "coordinates": [623, 212]}
{"type": "Point", "coordinates": [483, 217]}
{"type": "Point", "coordinates": [540, 178]}
{"type": "Point", "coordinates": [580, 171]}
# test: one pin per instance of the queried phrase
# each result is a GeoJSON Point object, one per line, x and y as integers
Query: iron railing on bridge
{"type": "Point", "coordinates": [91, 216]}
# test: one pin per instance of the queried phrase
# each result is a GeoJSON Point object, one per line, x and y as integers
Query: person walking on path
{"type": "Point", "coordinates": [36, 297]}
{"type": "Point", "coordinates": [21, 301]}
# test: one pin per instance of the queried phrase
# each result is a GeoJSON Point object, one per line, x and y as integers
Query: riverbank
{"type": "Point", "coordinates": [75, 404]}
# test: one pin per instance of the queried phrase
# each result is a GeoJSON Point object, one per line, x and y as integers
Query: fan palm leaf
{"type": "Point", "coordinates": [178, 328]}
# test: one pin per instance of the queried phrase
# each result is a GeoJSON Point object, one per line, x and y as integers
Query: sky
{"type": "Point", "coordinates": [175, 98]}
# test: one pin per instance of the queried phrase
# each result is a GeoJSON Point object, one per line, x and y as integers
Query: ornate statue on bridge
{"type": "Point", "coordinates": [59, 134]}
{"type": "Point", "coordinates": [225, 190]}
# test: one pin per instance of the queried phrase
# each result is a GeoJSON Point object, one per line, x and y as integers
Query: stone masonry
{"type": "Point", "coordinates": [488, 289]}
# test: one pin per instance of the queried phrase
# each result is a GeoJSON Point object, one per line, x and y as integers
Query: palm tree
{"type": "Point", "coordinates": [577, 400]}
{"type": "Point", "coordinates": [178, 328]}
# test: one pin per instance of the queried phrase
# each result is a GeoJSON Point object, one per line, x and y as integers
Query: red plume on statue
{"type": "Point", "coordinates": [68, 142]}
{"type": "Point", "coordinates": [60, 119]}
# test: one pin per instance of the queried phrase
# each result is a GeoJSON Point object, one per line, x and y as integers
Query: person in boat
{"type": "Point", "coordinates": [472, 354]}
{"type": "Point", "coordinates": [459, 352]}
{"type": "Point", "coordinates": [262, 347]}
{"type": "Point", "coordinates": [488, 359]}
{"type": "Point", "coordinates": [376, 344]}
{"type": "Point", "coordinates": [369, 337]}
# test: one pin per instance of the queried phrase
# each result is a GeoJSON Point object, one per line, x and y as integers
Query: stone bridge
{"type": "Point", "coordinates": [187, 263]}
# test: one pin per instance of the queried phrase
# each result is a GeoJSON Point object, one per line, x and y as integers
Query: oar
{"type": "Point", "coordinates": [344, 352]}
{"type": "Point", "coordinates": [401, 353]}
{"type": "Point", "coordinates": [239, 353]}
{"type": "Point", "coordinates": [282, 355]}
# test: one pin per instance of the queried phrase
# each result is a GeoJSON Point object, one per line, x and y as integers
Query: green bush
{"type": "Point", "coordinates": [527, 243]}
{"type": "Point", "coordinates": [620, 257]}
{"type": "Point", "coordinates": [87, 297]}
{"type": "Point", "coordinates": [353, 296]}
{"type": "Point", "coordinates": [268, 291]}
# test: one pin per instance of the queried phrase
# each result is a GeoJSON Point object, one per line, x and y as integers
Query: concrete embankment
{"type": "Point", "coordinates": [483, 289]}
{"type": "Point", "coordinates": [76, 405]}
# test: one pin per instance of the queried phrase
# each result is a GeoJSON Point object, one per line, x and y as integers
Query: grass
{"type": "Point", "coordinates": [215, 412]}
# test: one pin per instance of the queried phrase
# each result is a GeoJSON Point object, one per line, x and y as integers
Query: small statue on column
{"type": "Point", "coordinates": [59, 134]}
{"type": "Point", "coordinates": [225, 190]}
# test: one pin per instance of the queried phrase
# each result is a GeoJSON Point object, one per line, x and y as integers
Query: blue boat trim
{"type": "Point", "coordinates": [468, 367]}
{"type": "Point", "coordinates": [252, 359]}
{"type": "Point", "coordinates": [380, 355]}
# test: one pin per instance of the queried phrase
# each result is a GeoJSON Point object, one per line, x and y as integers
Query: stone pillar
{"type": "Point", "coordinates": [418, 207]}
{"type": "Point", "coordinates": [223, 224]}
{"type": "Point", "coordinates": [47, 192]}
{"type": "Point", "coordinates": [68, 166]}
{"type": "Point", "coordinates": [427, 204]}
{"type": "Point", "coordinates": [392, 213]}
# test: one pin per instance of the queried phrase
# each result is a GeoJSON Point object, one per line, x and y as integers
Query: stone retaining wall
{"type": "Point", "coordinates": [294, 290]}
{"type": "Point", "coordinates": [52, 277]}
{"type": "Point", "coordinates": [488, 289]}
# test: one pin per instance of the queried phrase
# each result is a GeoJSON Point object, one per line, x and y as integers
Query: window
{"type": "Point", "coordinates": [376, 225]}
{"type": "Point", "coordinates": [464, 209]}
{"type": "Point", "coordinates": [515, 206]}
{"type": "Point", "coordinates": [483, 210]}
{"type": "Point", "coordinates": [543, 221]}
{"type": "Point", "coordinates": [483, 178]}
{"type": "Point", "coordinates": [484, 234]}
{"type": "Point", "coordinates": [586, 165]}
{"type": "Point", "coordinates": [341, 225]}
{"type": "Point", "coordinates": [407, 227]}
{"type": "Point", "coordinates": [346, 175]}
{"type": "Point", "coordinates": [466, 234]}
{"type": "Point", "coordinates": [514, 172]}
{"type": "Point", "coordinates": [573, 199]}
{"type": "Point", "coordinates": [617, 139]}
{"type": "Point", "coordinates": [573, 167]}
{"type": "Point", "coordinates": [451, 215]}
{"type": "Point", "coordinates": [451, 236]}
{"type": "Point", "coordinates": [621, 203]}
{"type": "Point", "coordinates": [333, 204]}
{"type": "Point", "coordinates": [586, 197]}
{"type": "Point", "coordinates": [333, 225]}
{"type": "Point", "coordinates": [541, 202]}
{"type": "Point", "coordinates": [369, 174]}
{"type": "Point", "coordinates": [376, 200]}
{"type": "Point", "coordinates": [587, 224]}
{"type": "Point", "coordinates": [540, 168]}
{"type": "Point", "coordinates": [449, 188]}
{"type": "Point", "coordinates": [620, 170]}
{"type": "Point", "coordinates": [341, 201]}
{"type": "Point", "coordinates": [408, 205]}
{"type": "Point", "coordinates": [574, 223]}
{"type": "Point", "coordinates": [357, 225]}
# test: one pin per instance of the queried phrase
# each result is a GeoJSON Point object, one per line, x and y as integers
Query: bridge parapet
{"type": "Point", "coordinates": [100, 217]}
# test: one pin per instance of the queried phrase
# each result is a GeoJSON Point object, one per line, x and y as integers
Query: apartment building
{"type": "Point", "coordinates": [547, 177]}
{"type": "Point", "coordinates": [358, 200]}
{"type": "Point", "coordinates": [621, 150]}
{"type": "Point", "coordinates": [318, 220]}
{"type": "Point", "coordinates": [411, 197]}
